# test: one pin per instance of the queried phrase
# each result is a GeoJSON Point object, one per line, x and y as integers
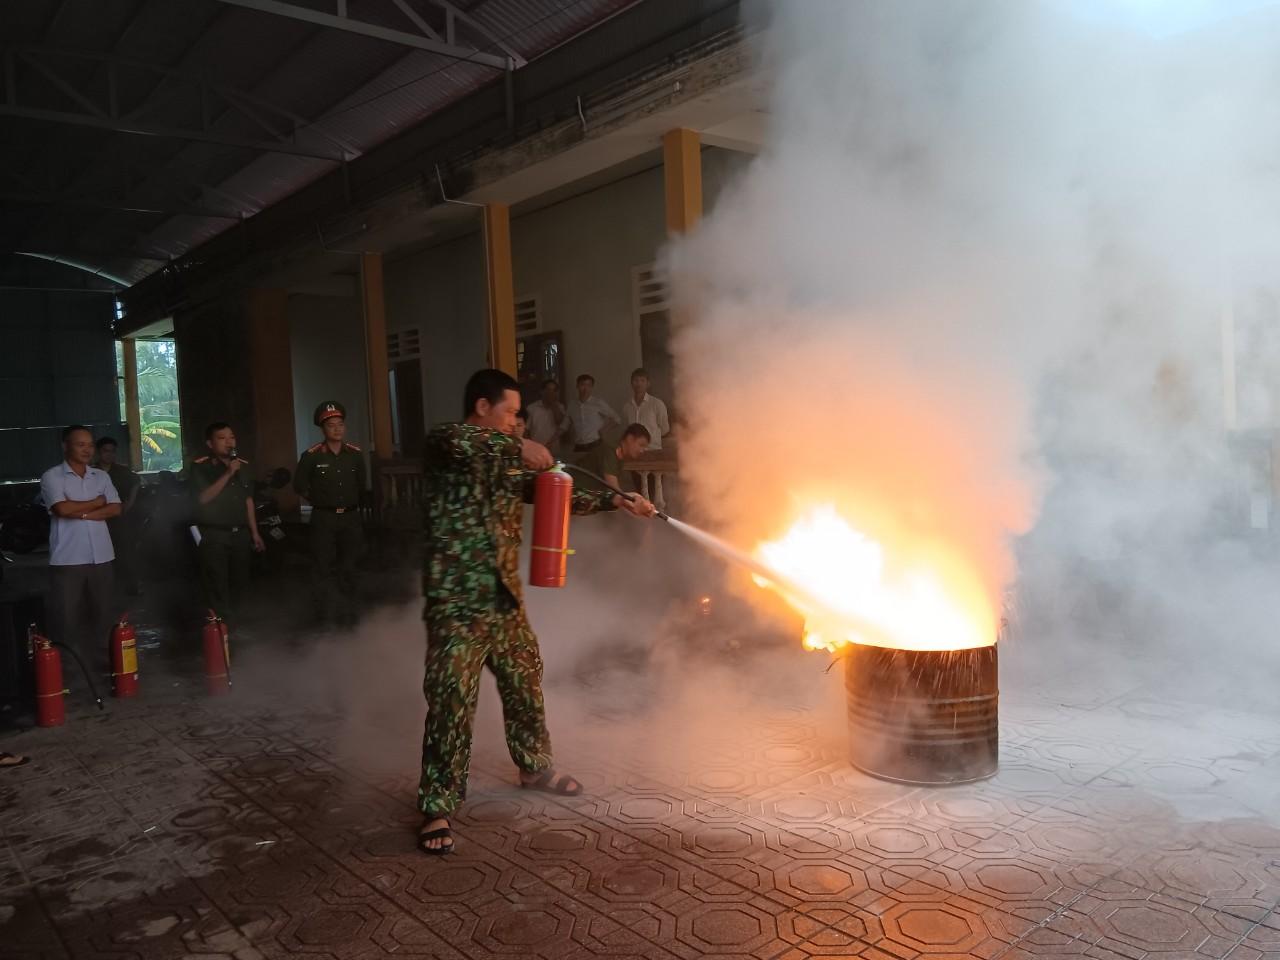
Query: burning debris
{"type": "Point", "coordinates": [843, 585]}
{"type": "Point", "coordinates": [917, 634]}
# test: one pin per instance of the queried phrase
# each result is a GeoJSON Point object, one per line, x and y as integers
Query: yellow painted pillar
{"type": "Point", "coordinates": [502, 297]}
{"type": "Point", "coordinates": [375, 341]}
{"type": "Point", "coordinates": [132, 412]}
{"type": "Point", "coordinates": [682, 179]}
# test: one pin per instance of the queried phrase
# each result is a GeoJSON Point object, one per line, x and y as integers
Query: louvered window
{"type": "Point", "coordinates": [528, 316]}
{"type": "Point", "coordinates": [650, 292]}
{"type": "Point", "coordinates": [403, 344]}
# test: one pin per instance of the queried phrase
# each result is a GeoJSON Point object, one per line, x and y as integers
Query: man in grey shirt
{"type": "Point", "coordinates": [80, 499]}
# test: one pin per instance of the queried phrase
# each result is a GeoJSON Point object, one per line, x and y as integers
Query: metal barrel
{"type": "Point", "coordinates": [924, 716]}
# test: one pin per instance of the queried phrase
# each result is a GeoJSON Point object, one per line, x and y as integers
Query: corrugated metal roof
{"type": "Point", "coordinates": [333, 91]}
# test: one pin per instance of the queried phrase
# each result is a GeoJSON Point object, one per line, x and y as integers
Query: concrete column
{"type": "Point", "coordinates": [375, 345]}
{"type": "Point", "coordinates": [132, 412]}
{"type": "Point", "coordinates": [682, 179]}
{"type": "Point", "coordinates": [502, 298]}
{"type": "Point", "coordinates": [271, 376]}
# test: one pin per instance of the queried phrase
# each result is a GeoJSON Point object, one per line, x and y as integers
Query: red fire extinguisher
{"type": "Point", "coordinates": [51, 710]}
{"type": "Point", "coordinates": [123, 651]}
{"type": "Point", "coordinates": [552, 506]}
{"type": "Point", "coordinates": [217, 656]}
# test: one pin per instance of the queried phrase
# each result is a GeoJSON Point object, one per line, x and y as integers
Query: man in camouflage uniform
{"type": "Point", "coordinates": [477, 477]}
{"type": "Point", "coordinates": [331, 476]}
{"type": "Point", "coordinates": [225, 518]}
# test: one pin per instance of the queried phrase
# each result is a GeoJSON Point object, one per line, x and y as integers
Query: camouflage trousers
{"type": "Point", "coordinates": [457, 650]}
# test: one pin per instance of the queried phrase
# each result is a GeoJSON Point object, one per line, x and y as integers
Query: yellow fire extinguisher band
{"type": "Point", "coordinates": [553, 550]}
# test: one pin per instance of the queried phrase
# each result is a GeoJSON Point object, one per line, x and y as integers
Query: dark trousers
{"type": "Point", "coordinates": [337, 541]}
{"type": "Point", "coordinates": [81, 611]}
{"type": "Point", "coordinates": [224, 557]}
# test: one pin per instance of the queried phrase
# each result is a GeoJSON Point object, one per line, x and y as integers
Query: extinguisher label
{"type": "Point", "coordinates": [129, 656]}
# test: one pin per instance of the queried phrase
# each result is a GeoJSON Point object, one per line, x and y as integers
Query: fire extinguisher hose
{"type": "Point", "coordinates": [609, 486]}
{"type": "Point", "coordinates": [83, 669]}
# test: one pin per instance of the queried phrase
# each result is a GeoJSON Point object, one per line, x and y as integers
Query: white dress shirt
{"type": "Point", "coordinates": [589, 418]}
{"type": "Point", "coordinates": [73, 541]}
{"type": "Point", "coordinates": [650, 413]}
{"type": "Point", "coordinates": [543, 425]}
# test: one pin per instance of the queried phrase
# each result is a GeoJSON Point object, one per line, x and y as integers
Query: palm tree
{"type": "Point", "coordinates": [158, 405]}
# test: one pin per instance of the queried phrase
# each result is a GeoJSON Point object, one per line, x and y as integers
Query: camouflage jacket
{"type": "Point", "coordinates": [475, 488]}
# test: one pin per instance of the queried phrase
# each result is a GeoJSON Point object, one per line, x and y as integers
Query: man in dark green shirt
{"type": "Point", "coordinates": [632, 445]}
{"type": "Point", "coordinates": [123, 530]}
{"type": "Point", "coordinates": [224, 516]}
{"type": "Point", "coordinates": [331, 476]}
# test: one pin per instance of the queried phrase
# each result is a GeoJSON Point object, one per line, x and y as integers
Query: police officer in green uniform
{"type": "Point", "coordinates": [224, 516]}
{"type": "Point", "coordinates": [331, 476]}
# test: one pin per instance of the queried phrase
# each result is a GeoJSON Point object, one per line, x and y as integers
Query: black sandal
{"type": "Point", "coordinates": [12, 760]}
{"type": "Point", "coordinates": [561, 787]}
{"type": "Point", "coordinates": [440, 833]}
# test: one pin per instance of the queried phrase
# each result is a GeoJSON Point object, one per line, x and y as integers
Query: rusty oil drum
{"type": "Point", "coordinates": [924, 716]}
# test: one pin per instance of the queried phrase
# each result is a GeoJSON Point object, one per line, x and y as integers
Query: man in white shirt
{"type": "Point", "coordinates": [646, 410]}
{"type": "Point", "coordinates": [590, 415]}
{"type": "Point", "coordinates": [80, 499]}
{"type": "Point", "coordinates": [548, 420]}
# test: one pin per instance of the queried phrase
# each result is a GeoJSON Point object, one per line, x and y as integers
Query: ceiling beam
{"type": "Point", "coordinates": [85, 255]}
{"type": "Point", "coordinates": [77, 264]}
{"type": "Point", "coordinates": [45, 61]}
{"type": "Point", "coordinates": [164, 132]}
{"type": "Point", "coordinates": [341, 21]}
{"type": "Point", "coordinates": [452, 17]}
{"type": "Point", "coordinates": [122, 206]}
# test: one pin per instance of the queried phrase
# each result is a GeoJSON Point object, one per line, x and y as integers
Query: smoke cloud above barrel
{"type": "Point", "coordinates": [1000, 286]}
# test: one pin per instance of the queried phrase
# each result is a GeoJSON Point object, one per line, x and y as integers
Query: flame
{"type": "Point", "coordinates": [851, 589]}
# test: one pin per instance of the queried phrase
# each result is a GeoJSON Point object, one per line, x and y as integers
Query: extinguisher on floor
{"type": "Point", "coordinates": [51, 708]}
{"type": "Point", "coordinates": [217, 656]}
{"type": "Point", "coordinates": [123, 653]}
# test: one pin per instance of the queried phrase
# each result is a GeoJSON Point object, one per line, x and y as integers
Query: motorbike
{"type": "Point", "coordinates": [24, 526]}
{"type": "Point", "coordinates": [266, 510]}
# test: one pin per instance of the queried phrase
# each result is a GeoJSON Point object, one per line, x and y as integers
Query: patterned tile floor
{"type": "Point", "coordinates": [720, 819]}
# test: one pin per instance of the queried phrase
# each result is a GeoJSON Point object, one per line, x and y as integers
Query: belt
{"type": "Point", "coordinates": [222, 526]}
{"type": "Point", "coordinates": [334, 509]}
{"type": "Point", "coordinates": [584, 447]}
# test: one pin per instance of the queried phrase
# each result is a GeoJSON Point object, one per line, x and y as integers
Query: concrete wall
{"type": "Point", "coordinates": [213, 374]}
{"type": "Point", "coordinates": [326, 338]}
{"type": "Point", "coordinates": [575, 255]}
{"type": "Point", "coordinates": [441, 291]}
{"type": "Point", "coordinates": [57, 367]}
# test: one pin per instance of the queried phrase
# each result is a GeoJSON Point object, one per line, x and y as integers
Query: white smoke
{"type": "Point", "coordinates": [973, 291]}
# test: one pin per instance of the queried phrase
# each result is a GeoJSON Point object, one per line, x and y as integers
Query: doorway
{"type": "Point", "coordinates": [539, 357]}
{"type": "Point", "coordinates": [409, 423]}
